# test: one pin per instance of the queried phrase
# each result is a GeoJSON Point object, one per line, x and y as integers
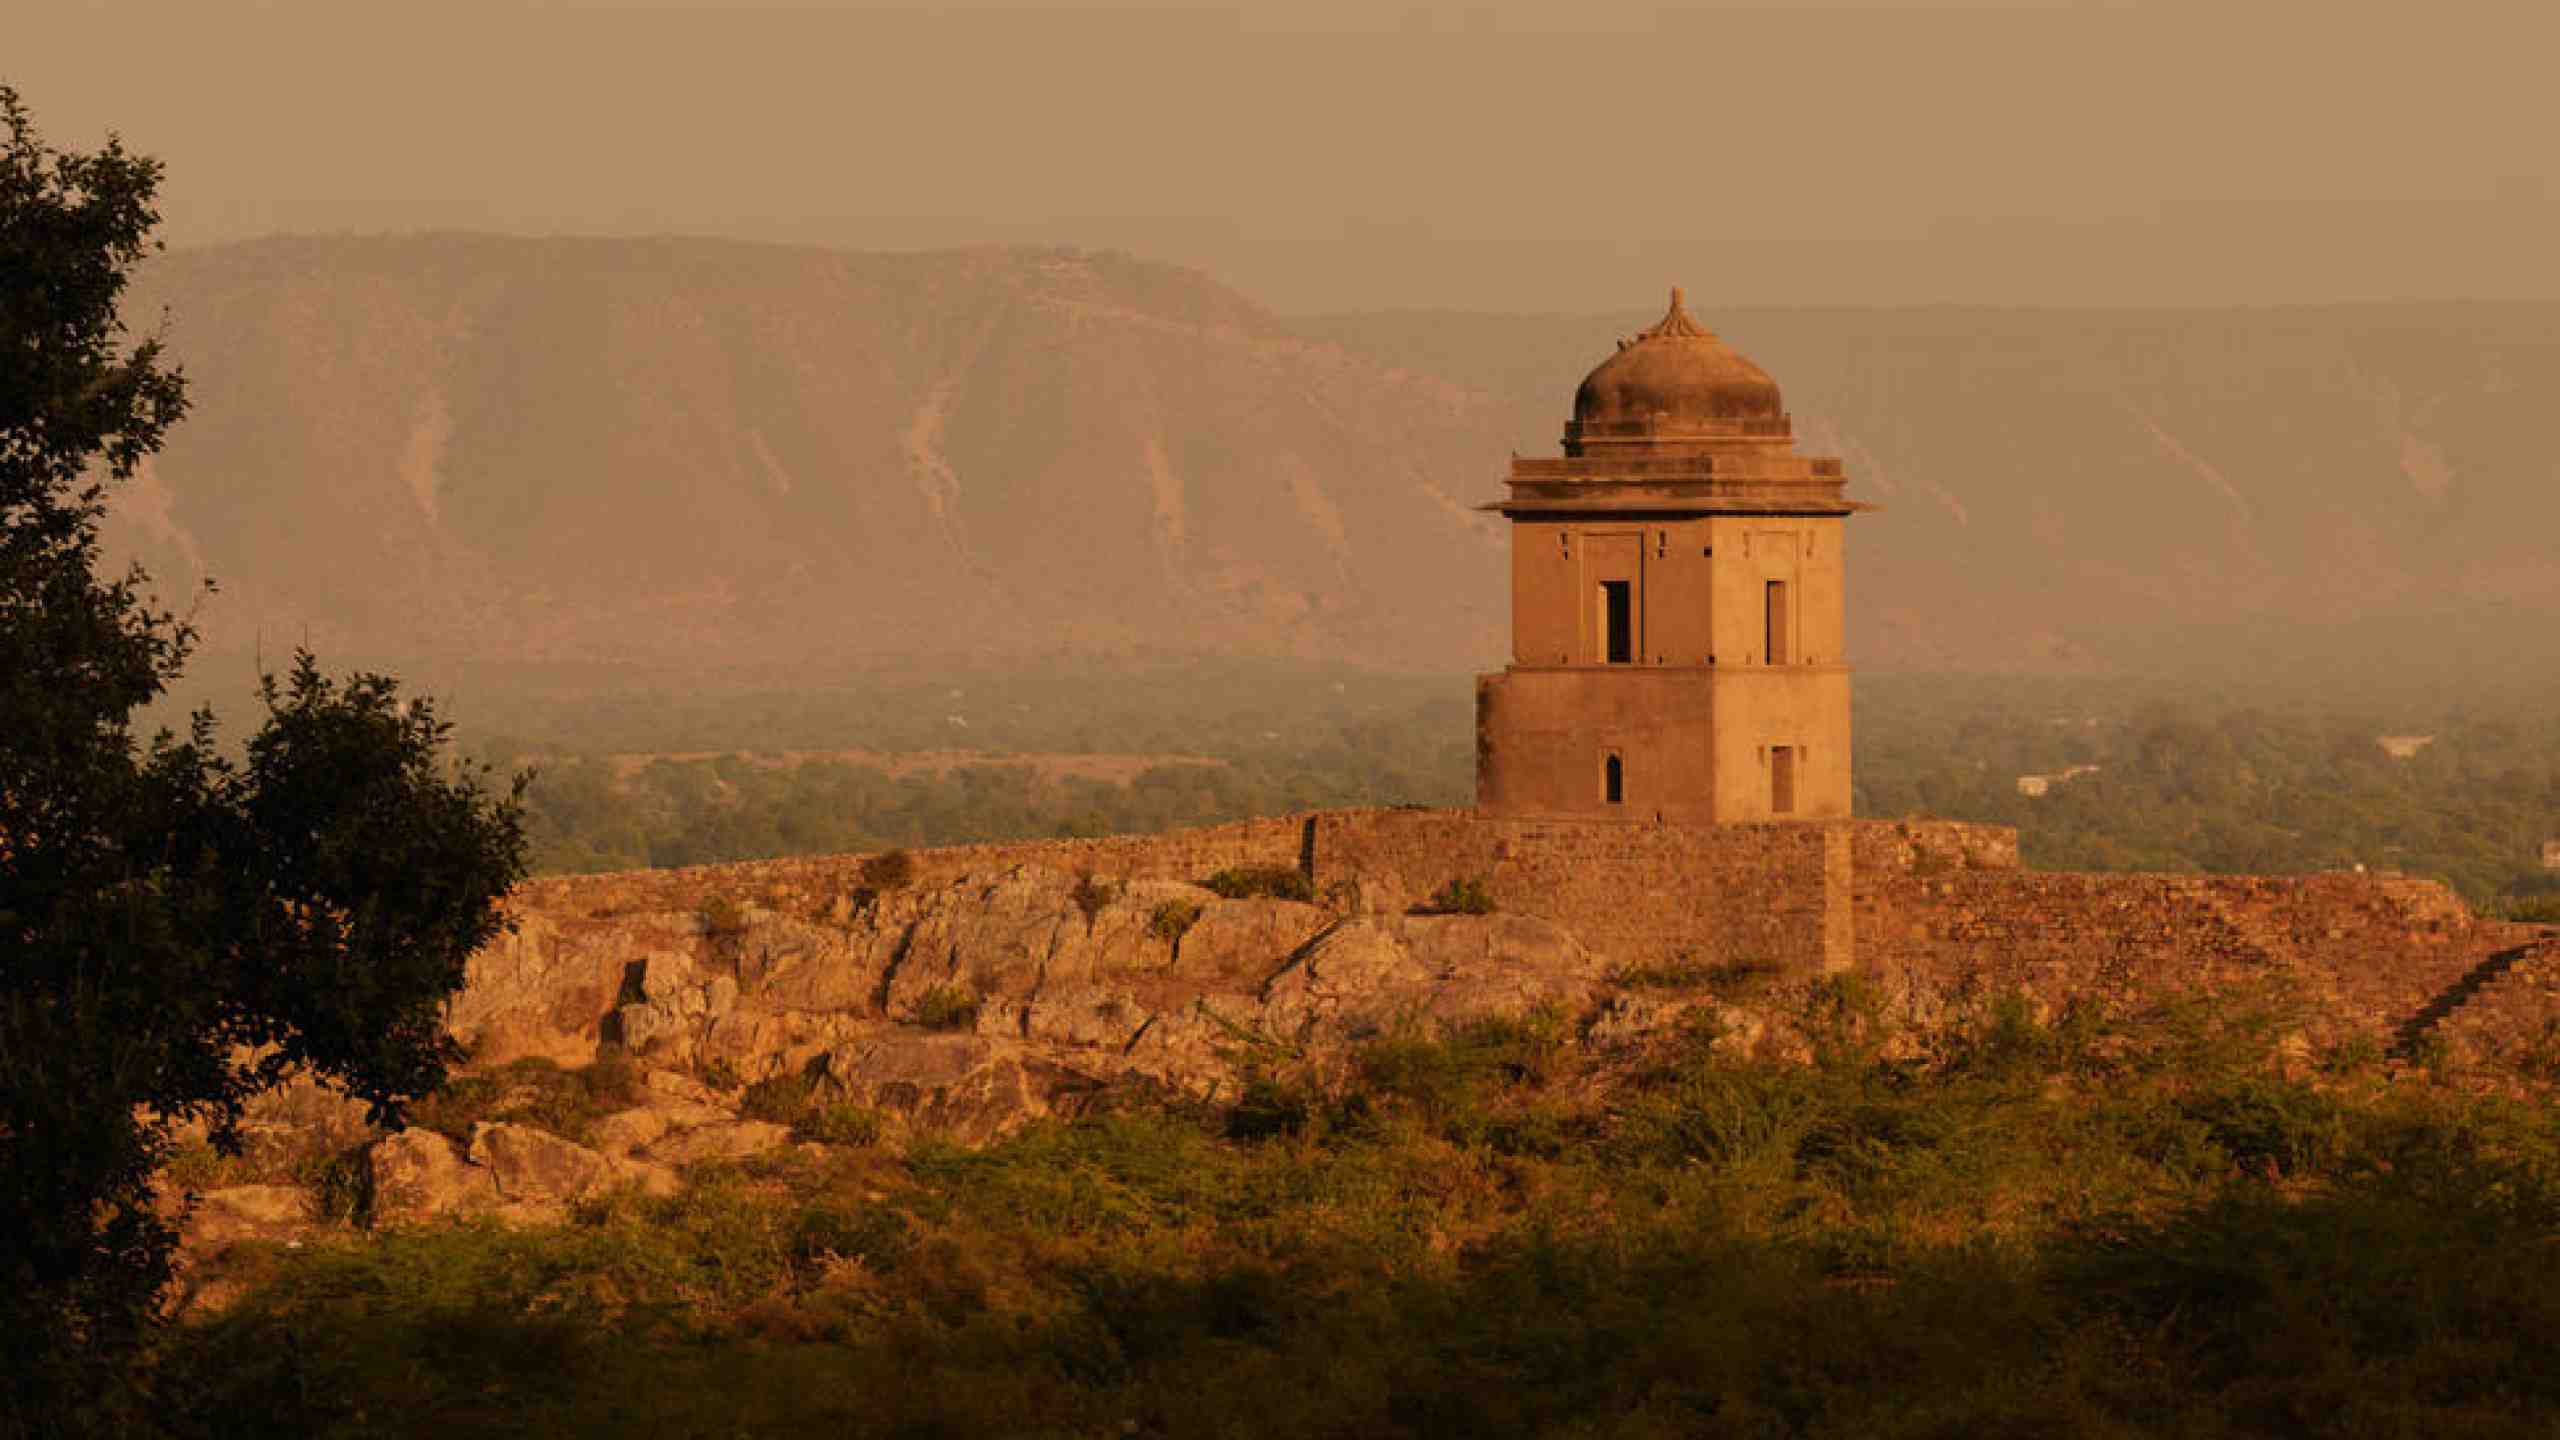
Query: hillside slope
{"type": "Point", "coordinates": [694, 451]}
{"type": "Point", "coordinates": [2246, 488]}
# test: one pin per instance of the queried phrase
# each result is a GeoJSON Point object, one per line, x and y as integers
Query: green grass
{"type": "Point", "coordinates": [2069, 1225]}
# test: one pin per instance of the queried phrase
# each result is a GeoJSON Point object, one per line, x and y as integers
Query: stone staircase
{"type": "Point", "coordinates": [2413, 1032]}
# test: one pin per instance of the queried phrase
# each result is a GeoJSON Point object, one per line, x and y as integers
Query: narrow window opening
{"type": "Point", "coordinates": [1618, 604]}
{"type": "Point", "coordinates": [1613, 780]}
{"type": "Point", "coordinates": [1776, 649]}
{"type": "Point", "coordinates": [1782, 779]}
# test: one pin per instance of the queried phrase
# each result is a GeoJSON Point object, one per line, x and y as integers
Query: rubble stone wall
{"type": "Point", "coordinates": [1775, 893]}
{"type": "Point", "coordinates": [1943, 904]}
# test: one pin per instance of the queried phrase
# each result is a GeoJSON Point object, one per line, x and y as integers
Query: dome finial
{"type": "Point", "coordinates": [1676, 321]}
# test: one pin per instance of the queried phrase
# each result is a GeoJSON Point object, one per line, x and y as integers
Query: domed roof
{"type": "Point", "coordinates": [1676, 378]}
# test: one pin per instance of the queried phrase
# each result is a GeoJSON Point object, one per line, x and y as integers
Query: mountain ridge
{"type": "Point", "coordinates": [674, 450]}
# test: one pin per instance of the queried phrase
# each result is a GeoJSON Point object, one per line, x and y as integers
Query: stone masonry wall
{"type": "Point", "coordinates": [1937, 905]}
{"type": "Point", "coordinates": [1175, 855]}
{"type": "Point", "coordinates": [1777, 893]}
{"type": "Point", "coordinates": [2366, 945]}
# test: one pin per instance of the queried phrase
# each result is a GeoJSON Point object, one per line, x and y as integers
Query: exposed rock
{"type": "Point", "coordinates": [966, 1086]}
{"type": "Point", "coordinates": [1245, 940]}
{"type": "Point", "coordinates": [649, 1178]}
{"type": "Point", "coordinates": [661, 977]}
{"type": "Point", "coordinates": [674, 1087]}
{"type": "Point", "coordinates": [419, 1173]}
{"type": "Point", "coordinates": [720, 996]}
{"type": "Point", "coordinates": [249, 1212]}
{"type": "Point", "coordinates": [531, 1166]}
{"type": "Point", "coordinates": [627, 1130]}
{"type": "Point", "coordinates": [1082, 1016]}
{"type": "Point", "coordinates": [721, 1140]}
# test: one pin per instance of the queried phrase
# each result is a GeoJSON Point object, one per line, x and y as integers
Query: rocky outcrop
{"type": "Point", "coordinates": [774, 1008]}
{"type": "Point", "coordinates": [977, 1003]}
{"type": "Point", "coordinates": [419, 1173]}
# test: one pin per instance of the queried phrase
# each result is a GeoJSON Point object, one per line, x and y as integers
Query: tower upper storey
{"type": "Point", "coordinates": [1677, 422]}
{"type": "Point", "coordinates": [1674, 389]}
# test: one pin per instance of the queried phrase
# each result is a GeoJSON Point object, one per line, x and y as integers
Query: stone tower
{"type": "Point", "coordinates": [1676, 589]}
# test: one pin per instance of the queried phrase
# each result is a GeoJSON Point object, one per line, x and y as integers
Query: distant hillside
{"type": "Point", "coordinates": [2257, 491]}
{"type": "Point", "coordinates": [693, 451]}
{"type": "Point", "coordinates": [672, 450]}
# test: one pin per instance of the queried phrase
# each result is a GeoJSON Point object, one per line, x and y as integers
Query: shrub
{"type": "Point", "coordinates": [947, 1007]}
{"type": "Point", "coordinates": [722, 916]}
{"type": "Point", "coordinates": [1260, 882]}
{"type": "Point", "coordinates": [888, 870]}
{"type": "Point", "coordinates": [535, 1091]}
{"type": "Point", "coordinates": [874, 1235]}
{"type": "Point", "coordinates": [1467, 896]}
{"type": "Point", "coordinates": [1679, 974]}
{"type": "Point", "coordinates": [801, 1101]}
{"type": "Point", "coordinates": [341, 1185]}
{"type": "Point", "coordinates": [1843, 1019]}
{"type": "Point", "coordinates": [1449, 1077]}
{"type": "Point", "coordinates": [1091, 895]}
{"type": "Point", "coordinates": [1268, 1107]}
{"type": "Point", "coordinates": [1726, 980]}
{"type": "Point", "coordinates": [2536, 910]}
{"type": "Point", "coordinates": [1173, 919]}
{"type": "Point", "coordinates": [779, 1099]}
{"type": "Point", "coordinates": [839, 1123]}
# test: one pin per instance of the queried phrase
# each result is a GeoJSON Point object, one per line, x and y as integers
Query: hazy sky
{"type": "Point", "coordinates": [1320, 155]}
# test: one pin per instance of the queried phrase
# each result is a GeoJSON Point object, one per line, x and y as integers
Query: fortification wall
{"type": "Point", "coordinates": [1174, 855]}
{"type": "Point", "coordinates": [2373, 945]}
{"type": "Point", "coordinates": [1932, 905]}
{"type": "Point", "coordinates": [1780, 892]}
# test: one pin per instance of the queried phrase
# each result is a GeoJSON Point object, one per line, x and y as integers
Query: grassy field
{"type": "Point", "coordinates": [2163, 1225]}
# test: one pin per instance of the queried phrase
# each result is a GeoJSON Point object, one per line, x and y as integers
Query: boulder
{"type": "Point", "coordinates": [545, 988]}
{"type": "Point", "coordinates": [1245, 941]}
{"type": "Point", "coordinates": [722, 1140]}
{"type": "Point", "coordinates": [1082, 1016]}
{"type": "Point", "coordinates": [661, 976]}
{"type": "Point", "coordinates": [537, 1167]}
{"type": "Point", "coordinates": [248, 1212]}
{"type": "Point", "coordinates": [967, 1086]}
{"type": "Point", "coordinates": [993, 935]}
{"type": "Point", "coordinates": [419, 1173]}
{"type": "Point", "coordinates": [624, 1131]}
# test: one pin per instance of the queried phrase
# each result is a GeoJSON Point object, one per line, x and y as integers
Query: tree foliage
{"type": "Point", "coordinates": [180, 928]}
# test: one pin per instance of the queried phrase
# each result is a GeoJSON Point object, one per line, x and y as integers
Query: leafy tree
{"type": "Point", "coordinates": [179, 929]}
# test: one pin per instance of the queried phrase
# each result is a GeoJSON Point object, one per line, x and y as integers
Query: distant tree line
{"type": "Point", "coordinates": [2184, 779]}
{"type": "Point", "coordinates": [2185, 783]}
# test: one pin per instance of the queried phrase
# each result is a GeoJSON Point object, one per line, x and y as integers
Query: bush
{"type": "Point", "coordinates": [1091, 895]}
{"type": "Point", "coordinates": [874, 1235]}
{"type": "Point", "coordinates": [2536, 910]}
{"type": "Point", "coordinates": [801, 1102]}
{"type": "Point", "coordinates": [1467, 896]}
{"type": "Point", "coordinates": [888, 870]}
{"type": "Point", "coordinates": [779, 1099]}
{"type": "Point", "coordinates": [722, 916]}
{"type": "Point", "coordinates": [947, 1007]}
{"type": "Point", "coordinates": [534, 1091]}
{"type": "Point", "coordinates": [840, 1123]}
{"type": "Point", "coordinates": [1173, 919]}
{"type": "Point", "coordinates": [1679, 974]}
{"type": "Point", "coordinates": [1464, 1240]}
{"type": "Point", "coordinates": [1261, 882]}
